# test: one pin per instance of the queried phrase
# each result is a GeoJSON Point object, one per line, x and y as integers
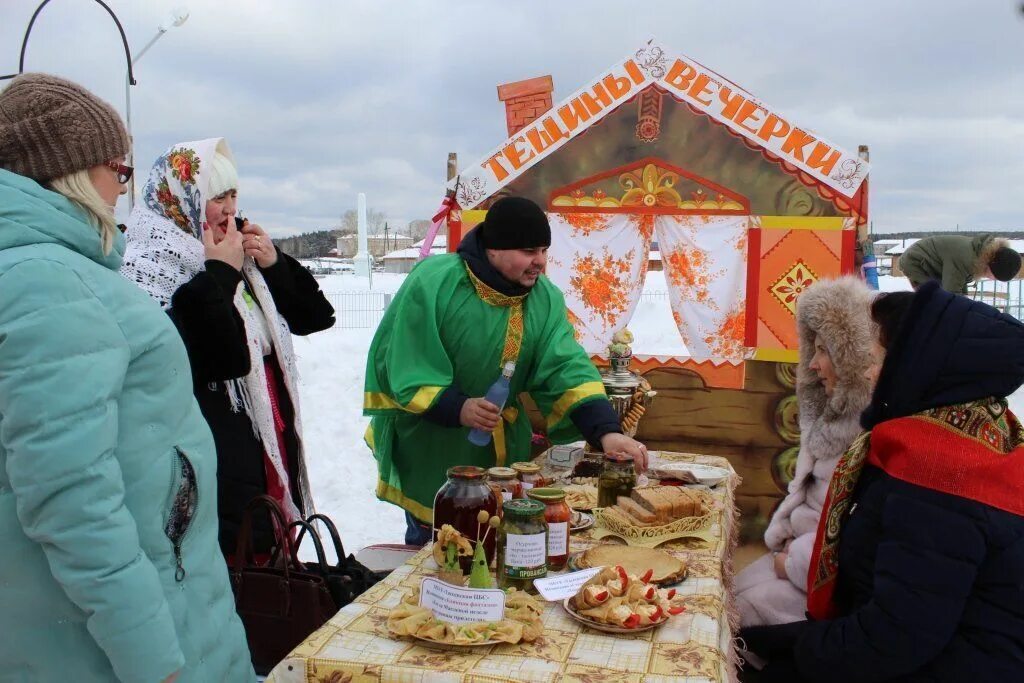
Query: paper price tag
{"type": "Point", "coordinates": [459, 605]}
{"type": "Point", "coordinates": [556, 588]}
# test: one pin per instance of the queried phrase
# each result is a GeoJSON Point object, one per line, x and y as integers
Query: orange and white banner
{"type": "Point", "coordinates": [688, 81]}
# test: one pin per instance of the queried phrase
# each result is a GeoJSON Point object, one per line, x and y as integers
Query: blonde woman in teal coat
{"type": "Point", "coordinates": [109, 563]}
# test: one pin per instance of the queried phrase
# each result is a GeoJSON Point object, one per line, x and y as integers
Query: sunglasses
{"type": "Point", "coordinates": [124, 173]}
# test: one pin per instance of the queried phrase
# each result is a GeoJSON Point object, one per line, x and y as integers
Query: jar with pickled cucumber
{"type": "Point", "coordinates": [617, 478]}
{"type": "Point", "coordinates": [522, 544]}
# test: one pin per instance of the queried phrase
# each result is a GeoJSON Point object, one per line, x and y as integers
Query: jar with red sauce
{"type": "Point", "coordinates": [557, 514]}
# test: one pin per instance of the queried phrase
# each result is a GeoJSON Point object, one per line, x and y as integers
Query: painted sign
{"type": "Point", "coordinates": [704, 90]}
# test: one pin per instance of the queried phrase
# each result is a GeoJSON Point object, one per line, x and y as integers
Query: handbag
{"type": "Point", "coordinates": [347, 579]}
{"type": "Point", "coordinates": [278, 605]}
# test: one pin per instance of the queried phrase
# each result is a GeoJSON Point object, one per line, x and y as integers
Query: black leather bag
{"type": "Point", "coordinates": [347, 579]}
{"type": "Point", "coordinates": [282, 603]}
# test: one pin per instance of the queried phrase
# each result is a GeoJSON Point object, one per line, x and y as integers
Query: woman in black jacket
{"type": "Point", "coordinates": [918, 569]}
{"type": "Point", "coordinates": [236, 300]}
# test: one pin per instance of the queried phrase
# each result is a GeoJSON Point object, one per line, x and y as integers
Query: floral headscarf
{"type": "Point", "coordinates": [165, 250]}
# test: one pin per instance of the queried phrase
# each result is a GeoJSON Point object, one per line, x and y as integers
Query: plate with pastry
{"type": "Point", "coordinates": [666, 569]}
{"type": "Point", "coordinates": [522, 623]}
{"type": "Point", "coordinates": [615, 601]}
{"type": "Point", "coordinates": [580, 497]}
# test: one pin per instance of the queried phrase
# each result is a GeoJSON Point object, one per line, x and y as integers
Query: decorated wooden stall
{"type": "Point", "coordinates": [746, 209]}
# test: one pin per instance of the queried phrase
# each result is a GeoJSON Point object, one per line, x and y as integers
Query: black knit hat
{"type": "Point", "coordinates": [1005, 264]}
{"type": "Point", "coordinates": [515, 223]}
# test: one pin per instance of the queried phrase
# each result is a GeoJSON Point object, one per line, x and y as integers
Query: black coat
{"type": "Point", "coordinates": [931, 585]}
{"type": "Point", "coordinates": [214, 336]}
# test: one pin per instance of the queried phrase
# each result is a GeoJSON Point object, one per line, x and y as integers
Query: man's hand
{"type": "Point", "coordinates": [479, 413]}
{"type": "Point", "coordinates": [622, 444]}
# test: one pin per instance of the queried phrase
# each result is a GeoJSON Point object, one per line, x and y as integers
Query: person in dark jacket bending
{"type": "Point", "coordinates": [917, 573]}
{"type": "Point", "coordinates": [236, 300]}
{"type": "Point", "coordinates": [955, 260]}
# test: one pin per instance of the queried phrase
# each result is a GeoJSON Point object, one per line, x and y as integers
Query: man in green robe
{"type": "Point", "coordinates": [452, 326]}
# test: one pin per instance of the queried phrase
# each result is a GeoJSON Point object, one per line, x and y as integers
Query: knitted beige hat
{"type": "Point", "coordinates": [51, 127]}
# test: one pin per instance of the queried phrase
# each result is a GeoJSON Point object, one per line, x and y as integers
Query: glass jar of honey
{"type": "Point", "coordinates": [459, 502]}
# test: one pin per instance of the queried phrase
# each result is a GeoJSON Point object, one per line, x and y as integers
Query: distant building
{"type": "Point", "coordinates": [402, 260]}
{"type": "Point", "coordinates": [378, 244]}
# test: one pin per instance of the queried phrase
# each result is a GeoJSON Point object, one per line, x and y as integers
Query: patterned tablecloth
{"type": "Point", "coordinates": [695, 646]}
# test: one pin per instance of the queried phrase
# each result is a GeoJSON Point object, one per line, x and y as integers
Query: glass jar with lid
{"type": "Point", "coordinates": [617, 478]}
{"type": "Point", "coordinates": [529, 476]}
{"type": "Point", "coordinates": [522, 544]}
{"type": "Point", "coordinates": [557, 514]}
{"type": "Point", "coordinates": [459, 502]}
{"type": "Point", "coordinates": [505, 482]}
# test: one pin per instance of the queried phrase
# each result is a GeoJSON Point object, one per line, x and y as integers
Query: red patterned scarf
{"type": "Point", "coordinates": [973, 450]}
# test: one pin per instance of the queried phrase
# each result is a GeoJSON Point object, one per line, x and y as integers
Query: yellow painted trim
{"type": "Point", "coordinates": [803, 222]}
{"type": "Point", "coordinates": [375, 400]}
{"type": "Point", "coordinates": [571, 398]}
{"type": "Point", "coordinates": [474, 216]}
{"type": "Point", "coordinates": [777, 355]}
{"type": "Point", "coordinates": [392, 495]}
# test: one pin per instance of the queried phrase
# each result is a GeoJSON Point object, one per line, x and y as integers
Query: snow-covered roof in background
{"type": "Point", "coordinates": [412, 253]}
{"type": "Point", "coordinates": [379, 236]}
{"type": "Point", "coordinates": [1016, 245]}
{"type": "Point", "coordinates": [439, 241]}
{"type": "Point", "coordinates": [901, 246]}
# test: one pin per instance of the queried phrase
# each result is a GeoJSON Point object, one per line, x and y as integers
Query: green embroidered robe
{"type": "Point", "coordinates": [445, 327]}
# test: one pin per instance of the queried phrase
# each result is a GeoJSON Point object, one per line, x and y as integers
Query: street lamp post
{"type": "Point", "coordinates": [178, 17]}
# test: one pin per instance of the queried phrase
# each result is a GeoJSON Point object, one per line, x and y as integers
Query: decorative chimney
{"type": "Point", "coordinates": [525, 101]}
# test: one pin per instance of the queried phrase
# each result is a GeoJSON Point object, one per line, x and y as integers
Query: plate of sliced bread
{"type": "Point", "coordinates": [659, 505]}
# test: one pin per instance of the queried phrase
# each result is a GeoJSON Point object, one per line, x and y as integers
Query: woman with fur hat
{"type": "Point", "coordinates": [237, 300]}
{"type": "Point", "coordinates": [834, 380]}
{"type": "Point", "coordinates": [917, 570]}
{"type": "Point", "coordinates": [110, 567]}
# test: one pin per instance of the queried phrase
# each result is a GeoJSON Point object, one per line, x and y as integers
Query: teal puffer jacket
{"type": "Point", "coordinates": [100, 437]}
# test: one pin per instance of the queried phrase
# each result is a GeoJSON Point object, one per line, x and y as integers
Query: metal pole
{"type": "Point", "coordinates": [128, 114]}
{"type": "Point", "coordinates": [32, 21]}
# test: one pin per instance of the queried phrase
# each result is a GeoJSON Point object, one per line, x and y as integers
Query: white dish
{"type": "Point", "coordinates": [585, 521]}
{"type": "Point", "coordinates": [607, 628]}
{"type": "Point", "coordinates": [708, 475]}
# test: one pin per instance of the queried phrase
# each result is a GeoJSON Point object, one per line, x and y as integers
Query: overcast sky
{"type": "Point", "coordinates": [321, 100]}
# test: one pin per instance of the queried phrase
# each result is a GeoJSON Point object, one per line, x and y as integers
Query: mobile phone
{"type": "Point", "coordinates": [239, 222]}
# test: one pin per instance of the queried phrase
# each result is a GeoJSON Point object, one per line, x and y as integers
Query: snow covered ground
{"type": "Point", "coordinates": [332, 365]}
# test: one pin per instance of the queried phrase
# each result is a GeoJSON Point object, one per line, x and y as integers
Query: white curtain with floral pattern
{"type": "Point", "coordinates": [600, 262]}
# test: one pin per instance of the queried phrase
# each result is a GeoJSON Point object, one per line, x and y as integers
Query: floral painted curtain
{"type": "Point", "coordinates": [600, 261]}
{"type": "Point", "coordinates": [705, 262]}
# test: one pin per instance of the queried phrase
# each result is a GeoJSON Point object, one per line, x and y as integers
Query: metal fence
{"type": "Point", "coordinates": [1008, 297]}
{"type": "Point", "coordinates": [358, 310]}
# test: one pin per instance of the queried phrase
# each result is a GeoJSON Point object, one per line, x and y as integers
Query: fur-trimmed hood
{"type": "Point", "coordinates": [838, 311]}
{"type": "Point", "coordinates": [986, 248]}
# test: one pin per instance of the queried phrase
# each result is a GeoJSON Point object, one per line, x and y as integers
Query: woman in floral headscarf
{"type": "Point", "coordinates": [236, 300]}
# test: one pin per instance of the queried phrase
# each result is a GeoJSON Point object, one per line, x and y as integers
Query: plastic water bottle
{"type": "Point", "coordinates": [497, 394]}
